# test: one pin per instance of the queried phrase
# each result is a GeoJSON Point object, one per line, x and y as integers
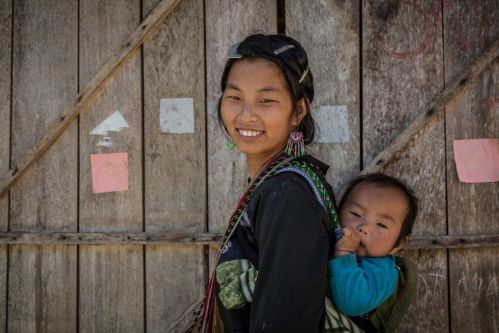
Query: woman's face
{"type": "Point", "coordinates": [256, 108]}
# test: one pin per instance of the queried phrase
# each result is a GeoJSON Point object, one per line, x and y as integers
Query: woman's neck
{"type": "Point", "coordinates": [256, 163]}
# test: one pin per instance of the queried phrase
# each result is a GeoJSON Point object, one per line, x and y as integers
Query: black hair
{"type": "Point", "coordinates": [387, 181]}
{"type": "Point", "coordinates": [292, 62]}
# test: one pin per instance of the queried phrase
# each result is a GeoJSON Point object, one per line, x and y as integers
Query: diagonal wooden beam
{"type": "Point", "coordinates": [433, 110]}
{"type": "Point", "coordinates": [110, 69]}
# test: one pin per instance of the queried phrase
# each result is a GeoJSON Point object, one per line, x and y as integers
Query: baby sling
{"type": "Point", "coordinates": [384, 318]}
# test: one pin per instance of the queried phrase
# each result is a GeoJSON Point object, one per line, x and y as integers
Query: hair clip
{"type": "Point", "coordinates": [232, 53]}
{"type": "Point", "coordinates": [303, 75]}
{"type": "Point", "coordinates": [284, 48]}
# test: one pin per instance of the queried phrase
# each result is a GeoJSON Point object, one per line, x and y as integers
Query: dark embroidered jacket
{"type": "Point", "coordinates": [286, 235]}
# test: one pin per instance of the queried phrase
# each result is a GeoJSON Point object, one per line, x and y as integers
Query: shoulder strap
{"type": "Point", "coordinates": [388, 316]}
{"type": "Point", "coordinates": [306, 171]}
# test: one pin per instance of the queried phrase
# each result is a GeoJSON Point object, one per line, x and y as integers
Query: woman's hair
{"type": "Point", "coordinates": [383, 180]}
{"type": "Point", "coordinates": [291, 59]}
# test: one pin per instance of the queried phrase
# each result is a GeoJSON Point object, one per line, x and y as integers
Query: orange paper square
{"type": "Point", "coordinates": [109, 172]}
{"type": "Point", "coordinates": [477, 160]}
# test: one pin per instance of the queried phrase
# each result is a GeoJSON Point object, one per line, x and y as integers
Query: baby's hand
{"type": "Point", "coordinates": [348, 243]}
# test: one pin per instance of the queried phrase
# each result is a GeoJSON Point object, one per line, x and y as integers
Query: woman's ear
{"type": "Point", "coordinates": [302, 108]}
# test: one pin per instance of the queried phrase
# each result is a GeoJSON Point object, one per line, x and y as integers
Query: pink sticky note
{"type": "Point", "coordinates": [477, 160]}
{"type": "Point", "coordinates": [109, 172]}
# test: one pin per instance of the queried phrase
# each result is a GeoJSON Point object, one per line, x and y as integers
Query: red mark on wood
{"type": "Point", "coordinates": [430, 31]}
{"type": "Point", "coordinates": [489, 101]}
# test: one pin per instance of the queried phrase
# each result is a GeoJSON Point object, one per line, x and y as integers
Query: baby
{"type": "Point", "coordinates": [377, 213]}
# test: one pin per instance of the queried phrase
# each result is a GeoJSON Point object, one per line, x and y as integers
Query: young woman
{"type": "Point", "coordinates": [281, 229]}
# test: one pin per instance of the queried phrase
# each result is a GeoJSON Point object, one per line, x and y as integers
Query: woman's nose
{"type": "Point", "coordinates": [247, 112]}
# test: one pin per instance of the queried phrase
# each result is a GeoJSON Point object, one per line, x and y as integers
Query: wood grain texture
{"type": "Point", "coordinates": [95, 86]}
{"type": "Point", "coordinates": [473, 290]}
{"type": "Point", "coordinates": [433, 111]}
{"type": "Point", "coordinates": [329, 32]}
{"type": "Point", "coordinates": [111, 289]}
{"type": "Point", "coordinates": [402, 71]}
{"type": "Point", "coordinates": [470, 28]}
{"type": "Point", "coordinates": [5, 100]}
{"type": "Point", "coordinates": [175, 164]}
{"type": "Point", "coordinates": [111, 278]}
{"type": "Point", "coordinates": [42, 280]}
{"type": "Point", "coordinates": [428, 311]}
{"type": "Point", "coordinates": [104, 27]}
{"type": "Point", "coordinates": [175, 280]}
{"type": "Point", "coordinates": [472, 207]}
{"type": "Point", "coordinates": [214, 239]}
{"type": "Point", "coordinates": [229, 22]}
{"type": "Point", "coordinates": [42, 288]}
{"type": "Point", "coordinates": [394, 90]}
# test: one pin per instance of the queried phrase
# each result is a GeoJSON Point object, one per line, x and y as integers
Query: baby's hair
{"type": "Point", "coordinates": [293, 63]}
{"type": "Point", "coordinates": [383, 180]}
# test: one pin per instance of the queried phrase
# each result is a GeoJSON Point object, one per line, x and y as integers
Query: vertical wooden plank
{"type": "Point", "coordinates": [40, 274]}
{"type": "Point", "coordinates": [5, 98]}
{"type": "Point", "coordinates": [402, 70]}
{"type": "Point", "coordinates": [175, 163]}
{"type": "Point", "coordinates": [469, 27]}
{"type": "Point", "coordinates": [111, 277]}
{"type": "Point", "coordinates": [329, 32]}
{"type": "Point", "coordinates": [111, 289]}
{"type": "Point", "coordinates": [42, 283]}
{"type": "Point", "coordinates": [229, 22]}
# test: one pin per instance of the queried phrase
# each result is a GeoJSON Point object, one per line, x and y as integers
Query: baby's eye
{"type": "Point", "coordinates": [381, 225]}
{"type": "Point", "coordinates": [355, 214]}
{"type": "Point", "coordinates": [232, 97]}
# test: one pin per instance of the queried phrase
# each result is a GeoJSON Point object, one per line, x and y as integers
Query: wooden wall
{"type": "Point", "coordinates": [381, 61]}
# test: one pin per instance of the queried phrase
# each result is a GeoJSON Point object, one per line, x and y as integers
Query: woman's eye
{"type": "Point", "coordinates": [232, 97]}
{"type": "Point", "coordinates": [381, 225]}
{"type": "Point", "coordinates": [355, 214]}
{"type": "Point", "coordinates": [266, 101]}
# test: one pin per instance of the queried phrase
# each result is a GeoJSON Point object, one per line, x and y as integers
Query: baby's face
{"type": "Point", "coordinates": [377, 213]}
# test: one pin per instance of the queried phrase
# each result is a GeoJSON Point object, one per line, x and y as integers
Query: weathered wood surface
{"type": "Point", "coordinates": [432, 289]}
{"type": "Point", "coordinates": [229, 22]}
{"type": "Point", "coordinates": [111, 296]}
{"type": "Point", "coordinates": [175, 164]}
{"type": "Point", "coordinates": [473, 290]}
{"type": "Point", "coordinates": [184, 321]}
{"type": "Point", "coordinates": [199, 238]}
{"type": "Point", "coordinates": [42, 289]}
{"type": "Point", "coordinates": [111, 289]}
{"type": "Point", "coordinates": [112, 67]}
{"type": "Point", "coordinates": [329, 32]}
{"type": "Point", "coordinates": [42, 279]}
{"type": "Point", "coordinates": [398, 80]}
{"type": "Point", "coordinates": [470, 28]}
{"type": "Point", "coordinates": [433, 112]}
{"type": "Point", "coordinates": [5, 86]}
